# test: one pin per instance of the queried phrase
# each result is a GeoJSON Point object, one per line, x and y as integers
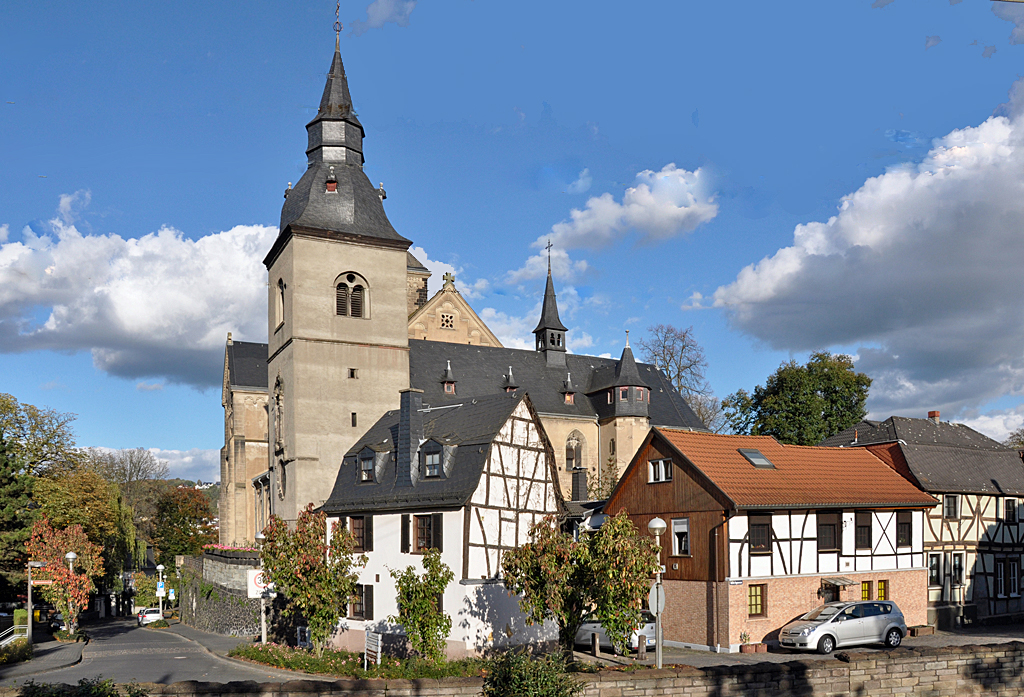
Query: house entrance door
{"type": "Point", "coordinates": [829, 593]}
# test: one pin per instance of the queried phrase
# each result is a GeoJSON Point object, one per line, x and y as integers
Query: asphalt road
{"type": "Point", "coordinates": [123, 651]}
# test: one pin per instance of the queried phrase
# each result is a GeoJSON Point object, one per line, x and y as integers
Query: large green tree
{"type": "Point", "coordinates": [802, 404]}
{"type": "Point", "coordinates": [607, 572]}
{"type": "Point", "coordinates": [317, 576]}
{"type": "Point", "coordinates": [184, 523]}
{"type": "Point", "coordinates": [16, 516]}
{"type": "Point", "coordinates": [41, 439]}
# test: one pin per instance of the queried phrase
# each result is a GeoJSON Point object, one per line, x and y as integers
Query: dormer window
{"type": "Point", "coordinates": [431, 461]}
{"type": "Point", "coordinates": [623, 394]}
{"type": "Point", "coordinates": [332, 182]}
{"type": "Point", "coordinates": [570, 397]}
{"type": "Point", "coordinates": [449, 388]}
{"type": "Point", "coordinates": [366, 466]}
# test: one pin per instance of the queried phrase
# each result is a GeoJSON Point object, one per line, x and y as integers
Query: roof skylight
{"type": "Point", "coordinates": [755, 458]}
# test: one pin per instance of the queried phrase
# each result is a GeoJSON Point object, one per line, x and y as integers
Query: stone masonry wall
{"type": "Point", "coordinates": [935, 672]}
{"type": "Point", "coordinates": [213, 606]}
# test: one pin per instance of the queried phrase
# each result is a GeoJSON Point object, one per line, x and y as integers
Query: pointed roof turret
{"type": "Point", "coordinates": [448, 375]}
{"type": "Point", "coordinates": [626, 372]}
{"type": "Point", "coordinates": [549, 311]}
{"type": "Point", "coordinates": [334, 195]}
{"type": "Point", "coordinates": [550, 331]}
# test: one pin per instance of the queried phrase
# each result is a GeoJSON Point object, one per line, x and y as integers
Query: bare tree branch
{"type": "Point", "coordinates": [676, 353]}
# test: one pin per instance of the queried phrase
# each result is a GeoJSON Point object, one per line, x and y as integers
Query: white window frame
{"type": "Point", "coordinates": [432, 464]}
{"type": "Point", "coordinates": [680, 525]}
{"type": "Point", "coordinates": [938, 570]}
{"type": "Point", "coordinates": [1014, 577]}
{"type": "Point", "coordinates": [367, 475]}
{"type": "Point", "coordinates": [957, 556]}
{"type": "Point", "coordinates": [659, 471]}
{"type": "Point", "coordinates": [1001, 578]}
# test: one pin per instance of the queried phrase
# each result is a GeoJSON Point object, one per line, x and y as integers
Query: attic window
{"type": "Point", "coordinates": [755, 458]}
{"type": "Point", "coordinates": [449, 388]}
{"type": "Point", "coordinates": [432, 461]}
{"type": "Point", "coordinates": [570, 398]}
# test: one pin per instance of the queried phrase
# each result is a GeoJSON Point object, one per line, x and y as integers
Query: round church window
{"type": "Point", "coordinates": [351, 278]}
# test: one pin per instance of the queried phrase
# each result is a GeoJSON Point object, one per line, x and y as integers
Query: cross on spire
{"type": "Point", "coordinates": [548, 247]}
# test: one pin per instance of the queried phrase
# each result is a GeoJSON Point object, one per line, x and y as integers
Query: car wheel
{"type": "Point", "coordinates": [826, 645]}
{"type": "Point", "coordinates": [893, 638]}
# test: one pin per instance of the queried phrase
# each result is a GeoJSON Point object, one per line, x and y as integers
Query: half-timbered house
{"type": "Point", "coordinates": [760, 532]}
{"type": "Point", "coordinates": [469, 479]}
{"type": "Point", "coordinates": [973, 536]}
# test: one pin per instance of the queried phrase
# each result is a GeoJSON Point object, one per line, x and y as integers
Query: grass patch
{"type": "Point", "coordinates": [159, 624]}
{"type": "Point", "coordinates": [350, 665]}
{"type": "Point", "coordinates": [15, 652]}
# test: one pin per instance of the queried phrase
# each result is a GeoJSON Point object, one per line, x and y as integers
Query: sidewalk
{"type": "Point", "coordinates": [48, 655]}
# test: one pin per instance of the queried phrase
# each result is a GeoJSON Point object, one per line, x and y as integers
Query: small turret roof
{"type": "Point", "coordinates": [549, 313]}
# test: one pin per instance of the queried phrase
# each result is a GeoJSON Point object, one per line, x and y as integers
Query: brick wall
{"type": "Point", "coordinates": [788, 598]}
{"type": "Point", "coordinates": [937, 672]}
{"type": "Point", "coordinates": [686, 619]}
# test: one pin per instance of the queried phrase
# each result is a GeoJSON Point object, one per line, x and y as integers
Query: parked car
{"type": "Point", "coordinates": [846, 624]}
{"type": "Point", "coordinates": [592, 624]}
{"type": "Point", "coordinates": [150, 614]}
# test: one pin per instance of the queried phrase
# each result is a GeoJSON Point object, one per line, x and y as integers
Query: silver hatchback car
{"type": "Point", "coordinates": [846, 624]}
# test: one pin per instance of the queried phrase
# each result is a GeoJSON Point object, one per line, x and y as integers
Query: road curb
{"type": "Point", "coordinates": [51, 668]}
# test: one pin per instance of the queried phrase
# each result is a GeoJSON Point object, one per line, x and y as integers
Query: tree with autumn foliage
{"type": "Point", "coordinates": [607, 572]}
{"type": "Point", "coordinates": [184, 524]}
{"type": "Point", "coordinates": [318, 573]}
{"type": "Point", "coordinates": [71, 586]}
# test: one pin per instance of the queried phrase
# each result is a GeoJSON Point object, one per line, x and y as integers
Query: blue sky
{"type": "Point", "coordinates": [784, 177]}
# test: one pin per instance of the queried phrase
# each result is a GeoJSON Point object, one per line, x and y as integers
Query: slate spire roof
{"type": "Point", "coordinates": [549, 313]}
{"type": "Point", "coordinates": [334, 198]}
{"type": "Point", "coordinates": [626, 372]}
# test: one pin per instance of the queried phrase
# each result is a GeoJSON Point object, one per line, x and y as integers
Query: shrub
{"type": "Point", "coordinates": [515, 673]}
{"type": "Point", "coordinates": [348, 664]}
{"type": "Point", "coordinates": [61, 635]}
{"type": "Point", "coordinates": [420, 610]}
{"type": "Point", "coordinates": [159, 624]}
{"type": "Point", "coordinates": [15, 652]}
{"type": "Point", "coordinates": [86, 687]}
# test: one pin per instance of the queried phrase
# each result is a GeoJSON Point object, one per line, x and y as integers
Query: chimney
{"type": "Point", "coordinates": [410, 432]}
{"type": "Point", "coordinates": [934, 416]}
{"type": "Point", "coordinates": [579, 484]}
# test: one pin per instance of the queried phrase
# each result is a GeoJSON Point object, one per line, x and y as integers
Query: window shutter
{"type": "Point", "coordinates": [436, 532]}
{"type": "Point", "coordinates": [341, 300]}
{"type": "Point", "coordinates": [367, 602]}
{"type": "Point", "coordinates": [405, 533]}
{"type": "Point", "coordinates": [357, 301]}
{"type": "Point", "coordinates": [368, 534]}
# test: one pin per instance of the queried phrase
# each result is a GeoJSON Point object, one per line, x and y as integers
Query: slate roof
{"type": "Point", "coordinates": [471, 427]}
{"type": "Point", "coordinates": [803, 477]}
{"type": "Point", "coordinates": [549, 311]}
{"type": "Point", "coordinates": [414, 264]}
{"type": "Point", "coordinates": [247, 365]}
{"type": "Point", "coordinates": [944, 456]}
{"type": "Point", "coordinates": [481, 371]}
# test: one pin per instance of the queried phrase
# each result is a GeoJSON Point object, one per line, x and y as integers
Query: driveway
{"type": "Point", "coordinates": [123, 651]}
{"type": "Point", "coordinates": [979, 635]}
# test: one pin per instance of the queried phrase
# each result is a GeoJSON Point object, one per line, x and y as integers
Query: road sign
{"type": "Point", "coordinates": [259, 585]}
{"type": "Point", "coordinates": [656, 599]}
{"type": "Point", "coordinates": [160, 592]}
{"type": "Point", "coordinates": [371, 654]}
{"type": "Point", "coordinates": [42, 582]}
{"type": "Point", "coordinates": [171, 594]}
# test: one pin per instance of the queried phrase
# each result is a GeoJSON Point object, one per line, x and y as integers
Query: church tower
{"type": "Point", "coordinates": [550, 331]}
{"type": "Point", "coordinates": [338, 333]}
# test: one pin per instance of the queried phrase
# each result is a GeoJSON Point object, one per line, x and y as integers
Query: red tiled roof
{"type": "Point", "coordinates": [803, 475]}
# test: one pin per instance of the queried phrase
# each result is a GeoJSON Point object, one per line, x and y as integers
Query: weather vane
{"type": "Point", "coordinates": [337, 20]}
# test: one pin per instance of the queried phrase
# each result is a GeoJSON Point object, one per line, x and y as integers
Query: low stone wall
{"type": "Point", "coordinates": [954, 670]}
{"type": "Point", "coordinates": [216, 607]}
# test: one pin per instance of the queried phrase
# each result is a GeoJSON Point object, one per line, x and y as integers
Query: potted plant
{"type": "Point", "coordinates": [745, 645]}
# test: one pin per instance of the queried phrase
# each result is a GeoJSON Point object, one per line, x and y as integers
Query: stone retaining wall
{"type": "Point", "coordinates": [216, 607]}
{"type": "Point", "coordinates": [954, 670]}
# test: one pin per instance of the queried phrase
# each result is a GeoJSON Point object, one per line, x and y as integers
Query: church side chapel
{"type": "Point", "coordinates": [350, 326]}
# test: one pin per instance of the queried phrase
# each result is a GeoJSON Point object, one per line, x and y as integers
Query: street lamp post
{"type": "Point", "coordinates": [71, 557]}
{"type": "Point", "coordinates": [31, 565]}
{"type": "Point", "coordinates": [263, 594]}
{"type": "Point", "coordinates": [160, 597]}
{"type": "Point", "coordinates": [657, 527]}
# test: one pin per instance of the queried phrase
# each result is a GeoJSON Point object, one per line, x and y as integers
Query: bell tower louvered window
{"type": "Point", "coordinates": [351, 296]}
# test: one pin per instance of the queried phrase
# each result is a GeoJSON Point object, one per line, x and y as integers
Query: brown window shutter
{"type": "Point", "coordinates": [367, 602]}
{"type": "Point", "coordinates": [368, 534]}
{"type": "Point", "coordinates": [435, 530]}
{"type": "Point", "coordinates": [357, 301]}
{"type": "Point", "coordinates": [341, 300]}
{"type": "Point", "coordinates": [405, 533]}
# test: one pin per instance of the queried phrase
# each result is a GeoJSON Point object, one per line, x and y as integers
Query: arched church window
{"type": "Point", "coordinates": [351, 296]}
{"type": "Point", "coordinates": [574, 451]}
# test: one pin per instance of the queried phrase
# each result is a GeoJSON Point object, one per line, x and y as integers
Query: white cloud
{"type": "Point", "coordinates": [998, 424]}
{"type": "Point", "coordinates": [930, 41]}
{"type": "Point", "coordinates": [582, 183]}
{"type": "Point", "coordinates": [988, 52]}
{"type": "Point", "coordinates": [149, 386]}
{"type": "Point", "coordinates": [576, 339]}
{"type": "Point", "coordinates": [562, 267]}
{"type": "Point", "coordinates": [381, 12]}
{"type": "Point", "coordinates": [918, 268]}
{"type": "Point", "coordinates": [661, 205]}
{"type": "Point", "coordinates": [512, 331]}
{"type": "Point", "coordinates": [5, 231]}
{"type": "Point", "coordinates": [194, 464]}
{"type": "Point", "coordinates": [71, 205]}
{"type": "Point", "coordinates": [438, 269]}
{"type": "Point", "coordinates": [1011, 13]}
{"type": "Point", "coordinates": [157, 306]}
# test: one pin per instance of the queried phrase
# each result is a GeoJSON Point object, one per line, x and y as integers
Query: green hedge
{"type": "Point", "coordinates": [348, 664]}
{"type": "Point", "coordinates": [21, 616]}
{"type": "Point", "coordinates": [516, 673]}
{"type": "Point", "coordinates": [15, 652]}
